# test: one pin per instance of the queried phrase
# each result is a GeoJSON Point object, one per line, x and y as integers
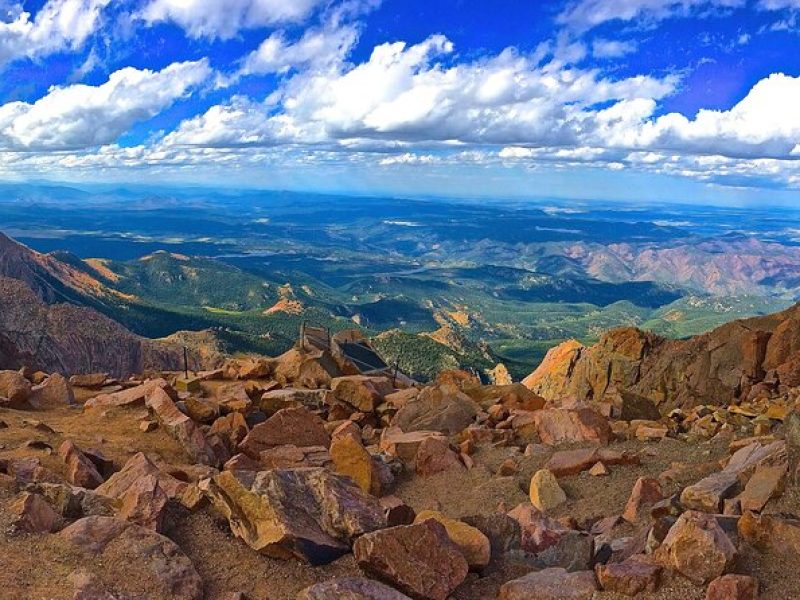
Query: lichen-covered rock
{"type": "Point", "coordinates": [307, 513]}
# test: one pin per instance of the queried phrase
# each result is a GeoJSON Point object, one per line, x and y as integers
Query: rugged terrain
{"type": "Point", "coordinates": [301, 477]}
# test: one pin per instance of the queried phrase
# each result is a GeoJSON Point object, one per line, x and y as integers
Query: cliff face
{"type": "Point", "coordinates": [69, 339]}
{"type": "Point", "coordinates": [738, 360]}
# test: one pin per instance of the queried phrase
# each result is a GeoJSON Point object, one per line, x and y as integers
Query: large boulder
{"type": "Point", "coordinates": [441, 408]}
{"type": "Point", "coordinates": [545, 493]}
{"type": "Point", "coordinates": [53, 392]}
{"type": "Point", "coordinates": [582, 424]}
{"type": "Point", "coordinates": [172, 574]}
{"type": "Point", "coordinates": [134, 396]}
{"type": "Point", "coordinates": [420, 560]}
{"type": "Point", "coordinates": [351, 459]}
{"type": "Point", "coordinates": [360, 391]}
{"type": "Point", "coordinates": [309, 513]}
{"type": "Point", "coordinates": [32, 514]}
{"type": "Point", "coordinates": [138, 467]}
{"type": "Point", "coordinates": [297, 426]}
{"type": "Point", "coordinates": [698, 548]}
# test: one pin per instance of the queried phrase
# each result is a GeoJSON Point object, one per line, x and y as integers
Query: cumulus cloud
{"type": "Point", "coordinates": [80, 116]}
{"type": "Point", "coordinates": [409, 94]}
{"type": "Point", "coordinates": [217, 19]}
{"type": "Point", "coordinates": [602, 48]}
{"type": "Point", "coordinates": [318, 48]}
{"type": "Point", "coordinates": [59, 25]}
{"type": "Point", "coordinates": [583, 15]}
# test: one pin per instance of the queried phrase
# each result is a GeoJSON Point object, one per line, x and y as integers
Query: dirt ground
{"type": "Point", "coordinates": [35, 567]}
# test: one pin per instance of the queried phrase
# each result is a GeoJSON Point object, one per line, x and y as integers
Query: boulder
{"type": "Point", "coordinates": [307, 513]}
{"type": "Point", "coordinates": [698, 548]}
{"type": "Point", "coordinates": [545, 493]}
{"type": "Point", "coordinates": [550, 584]}
{"type": "Point", "coordinates": [80, 470]}
{"type": "Point", "coordinates": [572, 462]}
{"type": "Point", "coordinates": [137, 467]}
{"type": "Point", "coordinates": [231, 430]}
{"type": "Point", "coordinates": [55, 391]}
{"type": "Point", "coordinates": [292, 457]}
{"type": "Point", "coordinates": [733, 587]}
{"type": "Point", "coordinates": [503, 532]}
{"type": "Point", "coordinates": [405, 445]}
{"type": "Point", "coordinates": [134, 396]}
{"type": "Point", "coordinates": [765, 484]}
{"type": "Point", "coordinates": [770, 532]}
{"type": "Point", "coordinates": [15, 389]}
{"type": "Point", "coordinates": [630, 577]}
{"type": "Point", "coordinates": [351, 588]}
{"type": "Point", "coordinates": [435, 456]}
{"type": "Point", "coordinates": [420, 559]}
{"type": "Point", "coordinates": [646, 492]}
{"type": "Point", "coordinates": [558, 425]}
{"type": "Point", "coordinates": [92, 381]}
{"type": "Point", "coordinates": [352, 460]}
{"type": "Point", "coordinates": [297, 426]}
{"type": "Point", "coordinates": [170, 570]}
{"type": "Point", "coordinates": [182, 428]}
{"type": "Point", "coordinates": [441, 408]}
{"type": "Point", "coordinates": [144, 503]}
{"type": "Point", "coordinates": [360, 391]}
{"type": "Point", "coordinates": [473, 544]}
{"type": "Point", "coordinates": [32, 514]}
{"type": "Point", "coordinates": [233, 397]}
{"type": "Point", "coordinates": [202, 410]}
{"type": "Point", "coordinates": [708, 494]}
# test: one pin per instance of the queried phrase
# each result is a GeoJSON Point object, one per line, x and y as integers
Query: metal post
{"type": "Point", "coordinates": [394, 377]}
{"type": "Point", "coordinates": [186, 362]}
{"type": "Point", "coordinates": [303, 336]}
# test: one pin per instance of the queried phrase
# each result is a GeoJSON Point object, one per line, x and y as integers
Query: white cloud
{"type": "Point", "coordinates": [59, 25]}
{"type": "Point", "coordinates": [226, 18]}
{"type": "Point", "coordinates": [319, 48]}
{"type": "Point", "coordinates": [406, 94]}
{"type": "Point", "coordinates": [778, 4]}
{"type": "Point", "coordinates": [583, 15]}
{"type": "Point", "coordinates": [602, 48]}
{"type": "Point", "coordinates": [80, 116]}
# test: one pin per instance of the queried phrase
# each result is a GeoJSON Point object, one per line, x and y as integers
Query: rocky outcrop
{"type": "Point", "coordinates": [714, 368]}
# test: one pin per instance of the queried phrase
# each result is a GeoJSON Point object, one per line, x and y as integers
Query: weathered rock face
{"type": "Point", "coordinates": [351, 459]}
{"type": "Point", "coordinates": [307, 513]}
{"type": "Point", "coordinates": [441, 408]}
{"type": "Point", "coordinates": [138, 467]}
{"type": "Point", "coordinates": [583, 424]}
{"type": "Point", "coordinates": [712, 368]}
{"type": "Point", "coordinates": [171, 571]}
{"type": "Point", "coordinates": [296, 426]}
{"type": "Point", "coordinates": [351, 588]}
{"type": "Point", "coordinates": [698, 548]}
{"type": "Point", "coordinates": [53, 392]}
{"type": "Point", "coordinates": [32, 514]}
{"type": "Point", "coordinates": [134, 396]}
{"type": "Point", "coordinates": [550, 584]}
{"type": "Point", "coordinates": [361, 392]}
{"type": "Point", "coordinates": [69, 339]}
{"type": "Point", "coordinates": [419, 560]}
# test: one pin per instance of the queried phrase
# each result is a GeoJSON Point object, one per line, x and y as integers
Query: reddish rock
{"type": "Point", "coordinates": [182, 428]}
{"type": "Point", "coordinates": [572, 462]}
{"type": "Point", "coordinates": [310, 514]}
{"type": "Point", "coordinates": [134, 396]}
{"type": "Point", "coordinates": [32, 514]}
{"type": "Point", "coordinates": [90, 381]}
{"type": "Point", "coordinates": [144, 503]}
{"type": "Point", "coordinates": [698, 548]}
{"type": "Point", "coordinates": [765, 484]}
{"type": "Point", "coordinates": [646, 492]}
{"type": "Point", "coordinates": [435, 456]}
{"type": "Point", "coordinates": [360, 391]}
{"type": "Point", "coordinates": [233, 398]}
{"type": "Point", "coordinates": [778, 533]}
{"type": "Point", "coordinates": [473, 544]}
{"type": "Point", "coordinates": [442, 408]}
{"type": "Point", "coordinates": [405, 445]}
{"type": "Point", "coordinates": [242, 462]}
{"type": "Point", "coordinates": [53, 392]}
{"type": "Point", "coordinates": [137, 467]}
{"type": "Point", "coordinates": [351, 588]}
{"type": "Point", "coordinates": [14, 389]}
{"type": "Point", "coordinates": [297, 426]}
{"type": "Point", "coordinates": [202, 410]}
{"type": "Point", "coordinates": [420, 560]}
{"type": "Point", "coordinates": [633, 576]}
{"type": "Point", "coordinates": [557, 425]}
{"type": "Point", "coordinates": [231, 429]}
{"type": "Point", "coordinates": [538, 532]}
{"type": "Point", "coordinates": [351, 459]}
{"type": "Point", "coordinates": [599, 470]}
{"type": "Point", "coordinates": [166, 564]}
{"type": "Point", "coordinates": [551, 584]}
{"type": "Point", "coordinates": [397, 512]}
{"type": "Point", "coordinates": [733, 587]}
{"type": "Point", "coordinates": [80, 470]}
{"type": "Point", "coordinates": [292, 457]}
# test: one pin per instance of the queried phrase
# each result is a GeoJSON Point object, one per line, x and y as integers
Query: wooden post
{"type": "Point", "coordinates": [303, 336]}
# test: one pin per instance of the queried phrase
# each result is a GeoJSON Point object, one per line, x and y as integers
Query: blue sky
{"type": "Point", "coordinates": [685, 100]}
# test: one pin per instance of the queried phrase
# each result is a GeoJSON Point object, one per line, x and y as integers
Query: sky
{"type": "Point", "coordinates": [669, 100]}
